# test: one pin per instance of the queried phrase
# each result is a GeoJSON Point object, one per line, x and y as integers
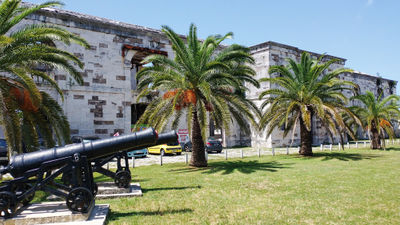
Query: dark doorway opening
{"type": "Point", "coordinates": [137, 111]}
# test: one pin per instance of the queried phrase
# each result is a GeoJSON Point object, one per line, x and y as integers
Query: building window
{"type": "Point", "coordinates": [391, 87]}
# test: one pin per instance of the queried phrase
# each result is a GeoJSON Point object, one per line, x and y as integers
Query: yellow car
{"type": "Point", "coordinates": [169, 148]}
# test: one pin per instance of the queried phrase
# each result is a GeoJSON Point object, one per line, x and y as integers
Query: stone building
{"type": "Point", "coordinates": [107, 101]}
{"type": "Point", "coordinates": [272, 53]}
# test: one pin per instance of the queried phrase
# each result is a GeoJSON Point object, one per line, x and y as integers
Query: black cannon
{"type": "Point", "coordinates": [122, 176]}
{"type": "Point", "coordinates": [38, 170]}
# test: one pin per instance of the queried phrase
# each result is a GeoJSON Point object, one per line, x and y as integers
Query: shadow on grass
{"type": "Point", "coordinates": [102, 178]}
{"type": "Point", "coordinates": [393, 149]}
{"type": "Point", "coordinates": [342, 156]}
{"type": "Point", "coordinates": [144, 190]}
{"type": "Point", "coordinates": [228, 167]}
{"type": "Point", "coordinates": [115, 215]}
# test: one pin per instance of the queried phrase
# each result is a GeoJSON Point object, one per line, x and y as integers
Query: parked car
{"type": "Point", "coordinates": [213, 145]}
{"type": "Point", "coordinates": [169, 148]}
{"type": "Point", "coordinates": [80, 139]}
{"type": "Point", "coordinates": [186, 146]}
{"type": "Point", "coordinates": [139, 153]}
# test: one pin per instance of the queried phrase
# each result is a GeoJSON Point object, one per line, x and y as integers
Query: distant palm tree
{"type": "Point", "coordinates": [301, 91]}
{"type": "Point", "coordinates": [23, 52]}
{"type": "Point", "coordinates": [203, 77]}
{"type": "Point", "coordinates": [376, 115]}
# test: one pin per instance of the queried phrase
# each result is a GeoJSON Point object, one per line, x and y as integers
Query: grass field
{"type": "Point", "coordinates": [351, 187]}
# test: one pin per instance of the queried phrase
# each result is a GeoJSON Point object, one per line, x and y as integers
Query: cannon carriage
{"type": "Point", "coordinates": [38, 171]}
{"type": "Point", "coordinates": [122, 176]}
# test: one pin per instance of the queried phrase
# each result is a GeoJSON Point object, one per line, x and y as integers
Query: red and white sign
{"type": "Point", "coordinates": [183, 138]}
{"type": "Point", "coordinates": [183, 131]}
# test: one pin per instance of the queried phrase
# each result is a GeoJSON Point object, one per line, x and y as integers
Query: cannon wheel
{"type": "Point", "coordinates": [7, 204]}
{"type": "Point", "coordinates": [123, 179]}
{"type": "Point", "coordinates": [79, 199]}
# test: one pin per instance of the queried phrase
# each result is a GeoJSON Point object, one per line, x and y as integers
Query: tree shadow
{"type": "Point", "coordinates": [102, 178]}
{"type": "Point", "coordinates": [343, 156]}
{"type": "Point", "coordinates": [393, 149]}
{"type": "Point", "coordinates": [228, 167]}
{"type": "Point", "coordinates": [144, 190]}
{"type": "Point", "coordinates": [115, 215]}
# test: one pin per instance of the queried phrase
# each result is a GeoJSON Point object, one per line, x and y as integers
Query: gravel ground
{"type": "Point", "coordinates": [230, 152]}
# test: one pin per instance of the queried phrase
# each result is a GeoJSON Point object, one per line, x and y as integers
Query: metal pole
{"type": "Point", "coordinates": [133, 161]}
{"type": "Point", "coordinates": [348, 145]}
{"type": "Point", "coordinates": [339, 146]}
{"type": "Point", "coordinates": [241, 153]}
{"type": "Point", "coordinates": [356, 144]}
{"type": "Point", "coordinates": [161, 162]}
{"type": "Point", "coordinates": [186, 157]}
{"type": "Point", "coordinates": [321, 147]}
{"type": "Point", "coordinates": [206, 155]}
{"type": "Point", "coordinates": [330, 147]}
{"type": "Point", "coordinates": [226, 154]}
{"type": "Point", "coordinates": [287, 150]}
{"type": "Point", "coordinates": [273, 151]}
{"type": "Point", "coordinates": [259, 152]}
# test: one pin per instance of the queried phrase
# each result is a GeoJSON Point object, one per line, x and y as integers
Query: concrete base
{"type": "Point", "coordinates": [57, 213]}
{"type": "Point", "coordinates": [109, 190]}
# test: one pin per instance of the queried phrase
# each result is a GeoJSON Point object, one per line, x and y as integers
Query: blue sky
{"type": "Point", "coordinates": [365, 32]}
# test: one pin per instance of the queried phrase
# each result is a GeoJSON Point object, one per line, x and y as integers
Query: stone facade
{"type": "Point", "coordinates": [107, 101]}
{"type": "Point", "coordinates": [102, 105]}
{"type": "Point", "coordinates": [272, 53]}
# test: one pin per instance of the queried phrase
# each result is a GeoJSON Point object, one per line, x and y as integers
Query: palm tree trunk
{"type": "Point", "coordinates": [198, 158]}
{"type": "Point", "coordinates": [341, 139]}
{"type": "Point", "coordinates": [376, 138]}
{"type": "Point", "coordinates": [306, 140]}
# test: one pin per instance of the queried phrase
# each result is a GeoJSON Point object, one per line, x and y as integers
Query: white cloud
{"type": "Point", "coordinates": [369, 2]}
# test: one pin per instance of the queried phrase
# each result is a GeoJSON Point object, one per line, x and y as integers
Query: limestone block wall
{"type": "Point", "coordinates": [272, 53]}
{"type": "Point", "coordinates": [376, 85]}
{"type": "Point", "coordinates": [102, 105]}
{"type": "Point", "coordinates": [266, 55]}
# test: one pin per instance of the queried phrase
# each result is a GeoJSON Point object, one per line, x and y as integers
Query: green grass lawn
{"type": "Point", "coordinates": [351, 187]}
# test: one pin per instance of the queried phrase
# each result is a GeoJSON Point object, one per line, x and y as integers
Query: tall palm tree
{"type": "Point", "coordinates": [301, 91]}
{"type": "Point", "coordinates": [203, 81]}
{"type": "Point", "coordinates": [377, 114]}
{"type": "Point", "coordinates": [23, 52]}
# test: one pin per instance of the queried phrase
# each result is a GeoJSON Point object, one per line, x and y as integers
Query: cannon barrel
{"type": "Point", "coordinates": [92, 150]}
{"type": "Point", "coordinates": [168, 137]}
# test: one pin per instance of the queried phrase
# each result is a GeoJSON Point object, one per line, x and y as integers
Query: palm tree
{"type": "Point", "coordinates": [301, 91]}
{"type": "Point", "coordinates": [377, 114]}
{"type": "Point", "coordinates": [23, 52]}
{"type": "Point", "coordinates": [203, 81]}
